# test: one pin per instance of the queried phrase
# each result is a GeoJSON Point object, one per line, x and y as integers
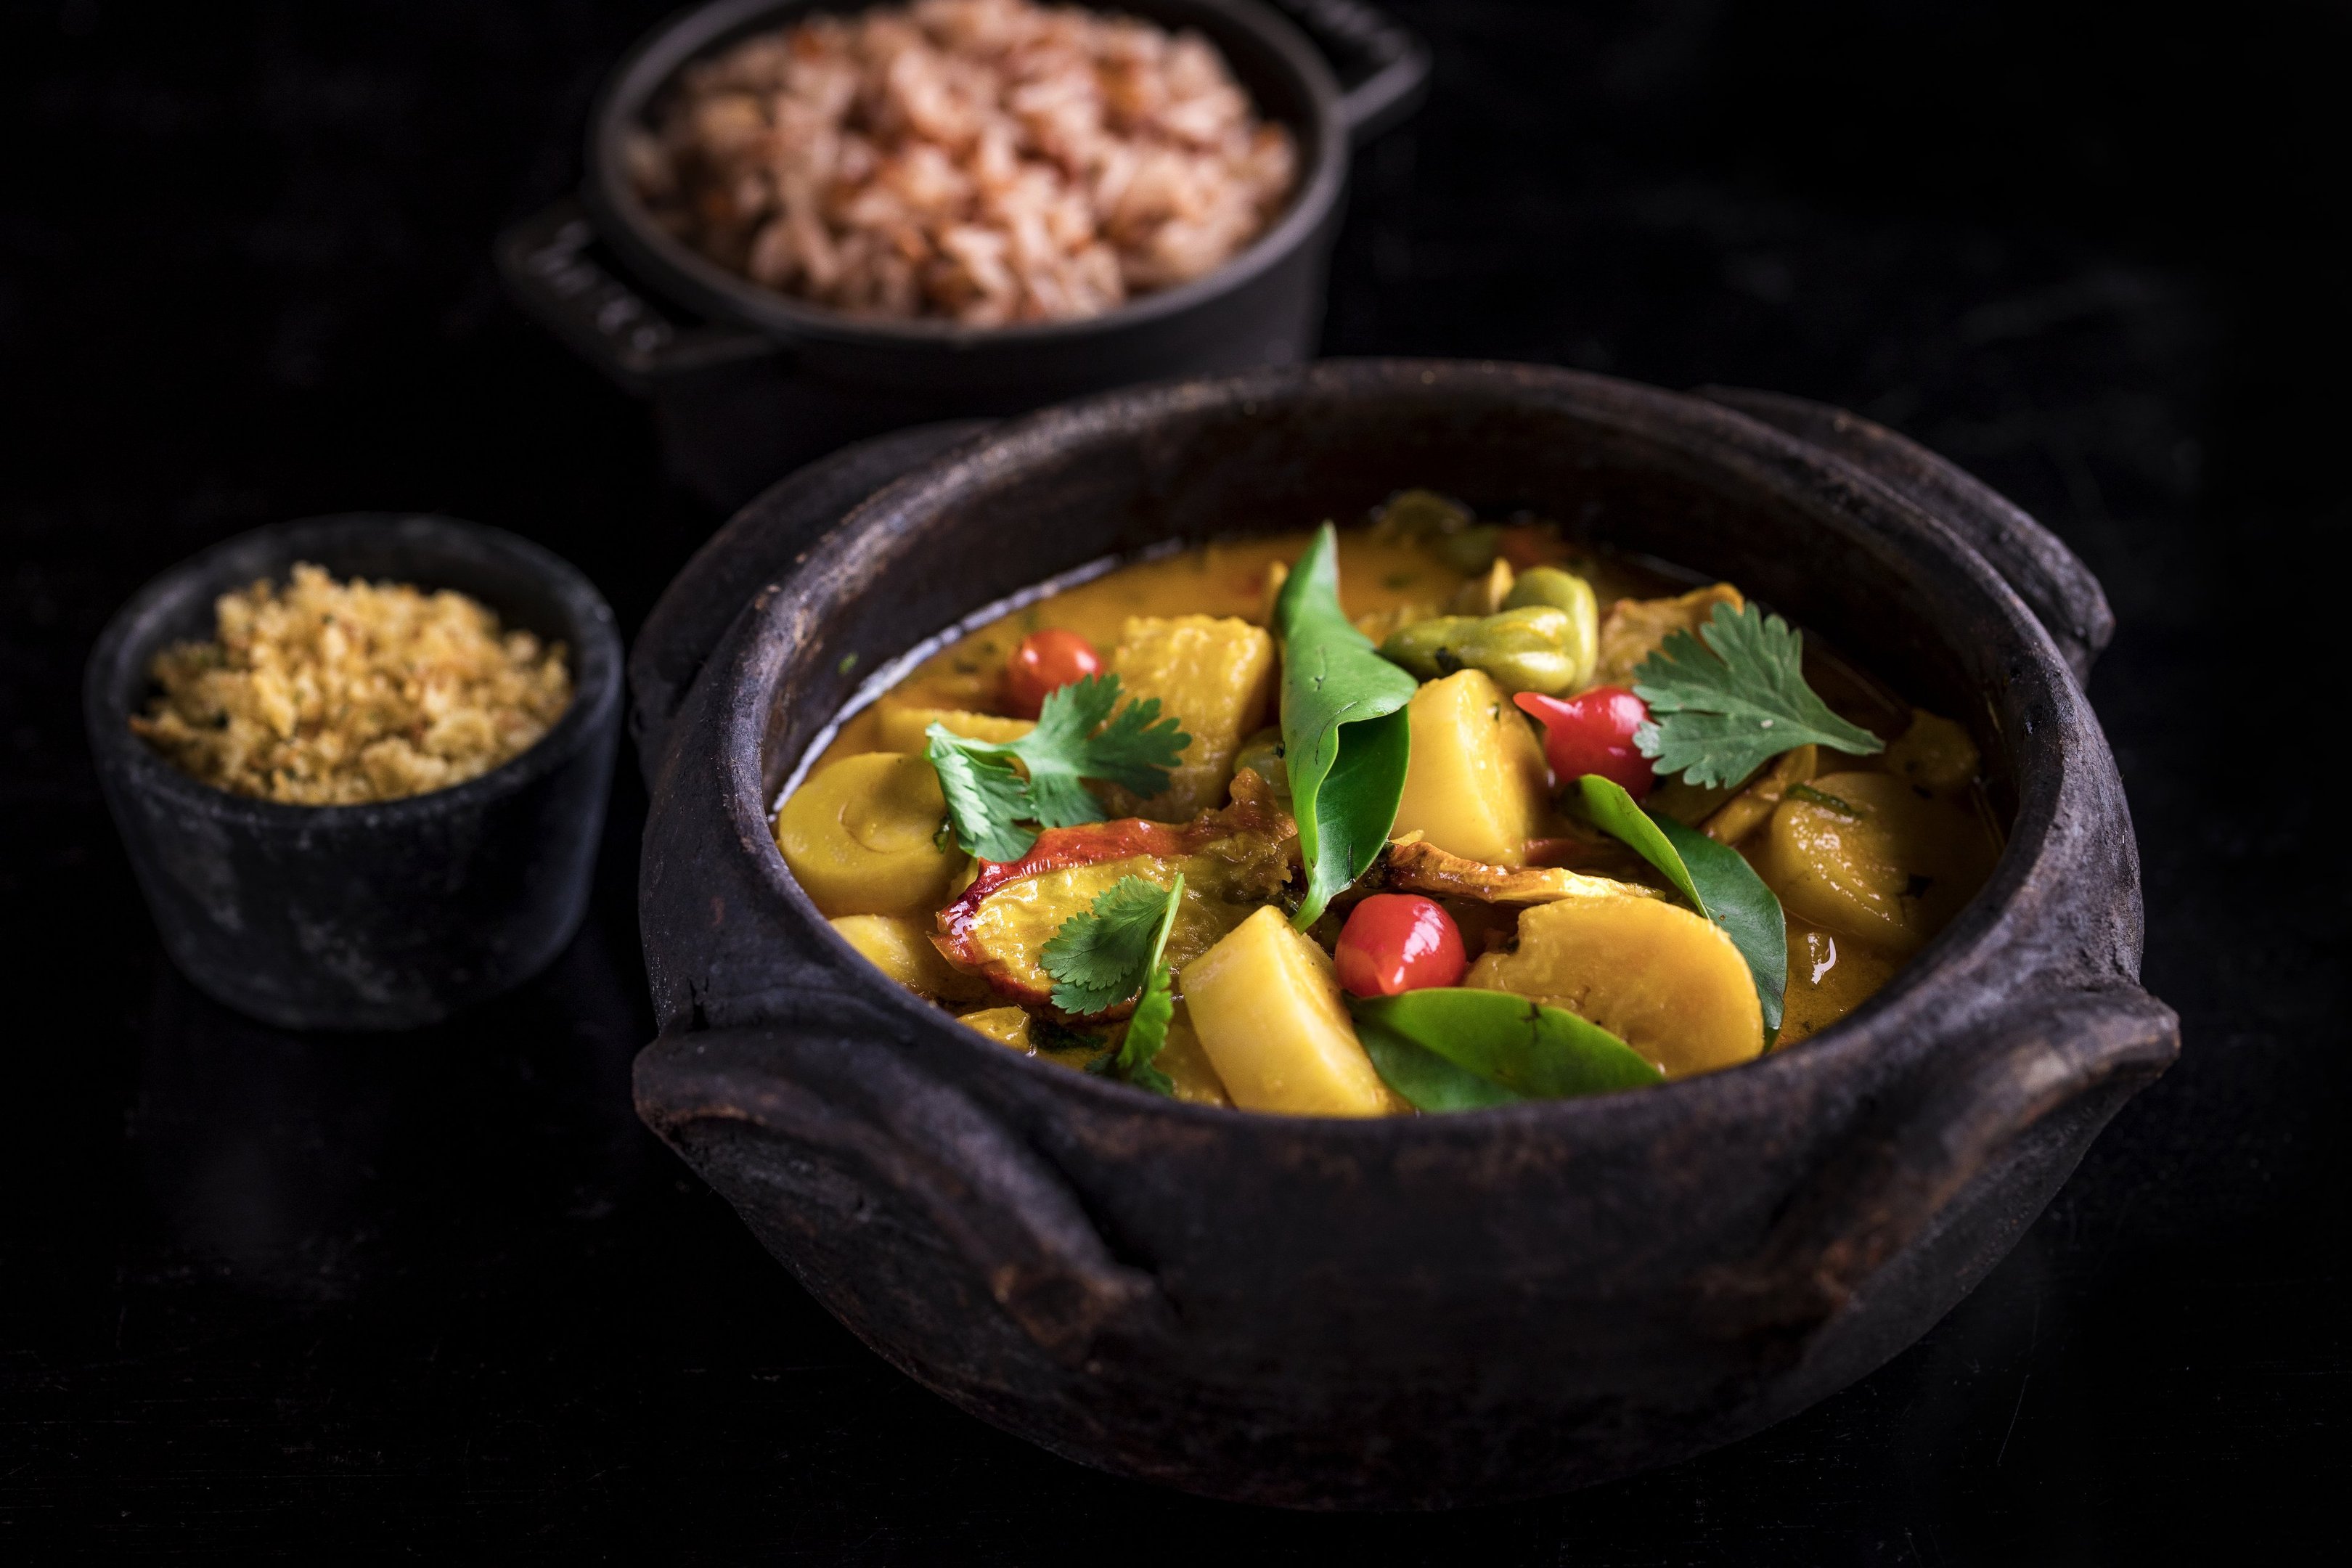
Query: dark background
{"type": "Point", "coordinates": [440, 1293]}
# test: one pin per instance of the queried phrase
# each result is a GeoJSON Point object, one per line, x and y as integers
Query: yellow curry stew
{"type": "Point", "coordinates": [1423, 815]}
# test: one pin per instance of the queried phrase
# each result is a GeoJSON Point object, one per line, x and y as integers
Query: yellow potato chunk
{"type": "Point", "coordinates": [1016, 1027]}
{"type": "Point", "coordinates": [1658, 977]}
{"type": "Point", "coordinates": [1188, 1065]}
{"type": "Point", "coordinates": [901, 725]}
{"type": "Point", "coordinates": [1746, 812]}
{"type": "Point", "coordinates": [1934, 753]}
{"type": "Point", "coordinates": [1475, 785]}
{"type": "Point", "coordinates": [859, 837]}
{"type": "Point", "coordinates": [902, 949]}
{"type": "Point", "coordinates": [1215, 676]}
{"type": "Point", "coordinates": [1265, 1004]}
{"type": "Point", "coordinates": [1864, 854]}
{"type": "Point", "coordinates": [1005, 1026]}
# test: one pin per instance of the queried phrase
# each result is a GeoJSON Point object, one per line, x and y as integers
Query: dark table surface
{"type": "Point", "coordinates": [440, 1294]}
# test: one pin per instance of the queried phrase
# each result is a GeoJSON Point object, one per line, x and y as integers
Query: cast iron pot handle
{"type": "Point", "coordinates": [2052, 579]}
{"type": "Point", "coordinates": [1905, 1161]}
{"type": "Point", "coordinates": [850, 1133]}
{"type": "Point", "coordinates": [551, 269]}
{"type": "Point", "coordinates": [1383, 69]}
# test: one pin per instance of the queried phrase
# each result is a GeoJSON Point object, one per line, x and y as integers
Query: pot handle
{"type": "Point", "coordinates": [816, 1128]}
{"type": "Point", "coordinates": [1904, 1163]}
{"type": "Point", "coordinates": [553, 268]}
{"type": "Point", "coordinates": [1383, 69]}
{"type": "Point", "coordinates": [2052, 579]}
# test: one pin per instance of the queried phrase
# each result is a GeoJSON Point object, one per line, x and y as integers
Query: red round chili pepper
{"type": "Point", "coordinates": [1395, 942]}
{"type": "Point", "coordinates": [1044, 663]}
{"type": "Point", "coordinates": [1592, 732]}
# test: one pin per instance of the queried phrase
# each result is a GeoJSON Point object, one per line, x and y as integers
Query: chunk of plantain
{"type": "Point", "coordinates": [1005, 1026]}
{"type": "Point", "coordinates": [1659, 978]}
{"type": "Point", "coordinates": [902, 949]}
{"type": "Point", "coordinates": [1829, 977]}
{"type": "Point", "coordinates": [1934, 753]}
{"type": "Point", "coordinates": [1745, 812]}
{"type": "Point", "coordinates": [1866, 855]}
{"type": "Point", "coordinates": [861, 836]}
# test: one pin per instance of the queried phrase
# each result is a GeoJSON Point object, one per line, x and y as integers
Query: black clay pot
{"type": "Point", "coordinates": [365, 917]}
{"type": "Point", "coordinates": [748, 383]}
{"type": "Point", "coordinates": [1445, 1309]}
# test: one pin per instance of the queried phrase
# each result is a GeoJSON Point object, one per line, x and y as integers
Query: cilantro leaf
{"type": "Point", "coordinates": [985, 796]}
{"type": "Point", "coordinates": [1102, 956]}
{"type": "Point", "coordinates": [1723, 709]}
{"type": "Point", "coordinates": [1147, 1032]}
{"type": "Point", "coordinates": [1135, 748]}
{"type": "Point", "coordinates": [988, 799]}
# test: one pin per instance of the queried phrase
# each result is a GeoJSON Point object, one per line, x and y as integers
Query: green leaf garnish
{"type": "Point", "coordinates": [1344, 735]}
{"type": "Point", "coordinates": [989, 799]}
{"type": "Point", "coordinates": [1100, 956]}
{"type": "Point", "coordinates": [1715, 879]}
{"type": "Point", "coordinates": [1458, 1049]}
{"type": "Point", "coordinates": [1147, 1029]}
{"type": "Point", "coordinates": [986, 796]}
{"type": "Point", "coordinates": [1721, 710]}
{"type": "Point", "coordinates": [1147, 1032]}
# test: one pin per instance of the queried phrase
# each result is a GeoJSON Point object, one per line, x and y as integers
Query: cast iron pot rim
{"type": "Point", "coordinates": [655, 61]}
{"type": "Point", "coordinates": [1841, 1049]}
{"type": "Point", "coordinates": [595, 676]}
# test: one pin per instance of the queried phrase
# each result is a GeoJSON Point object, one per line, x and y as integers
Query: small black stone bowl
{"type": "Point", "coordinates": [382, 916]}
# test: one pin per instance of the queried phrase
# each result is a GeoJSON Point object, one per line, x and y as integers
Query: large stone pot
{"type": "Point", "coordinates": [1446, 1310]}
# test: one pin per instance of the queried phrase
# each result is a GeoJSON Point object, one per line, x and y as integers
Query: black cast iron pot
{"type": "Point", "coordinates": [1445, 1309]}
{"type": "Point", "coordinates": [747, 382]}
{"type": "Point", "coordinates": [387, 915]}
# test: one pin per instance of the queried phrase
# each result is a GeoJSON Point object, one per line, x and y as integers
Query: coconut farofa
{"type": "Point", "coordinates": [988, 162]}
{"type": "Point", "coordinates": [328, 693]}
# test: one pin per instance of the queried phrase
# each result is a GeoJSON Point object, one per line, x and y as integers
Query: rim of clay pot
{"type": "Point", "coordinates": [136, 632]}
{"type": "Point", "coordinates": [655, 61]}
{"type": "Point", "coordinates": [2052, 761]}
